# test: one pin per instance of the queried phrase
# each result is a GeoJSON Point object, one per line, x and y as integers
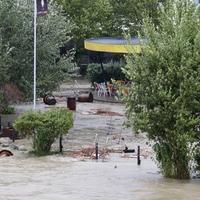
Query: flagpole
{"type": "Point", "coordinates": [35, 56]}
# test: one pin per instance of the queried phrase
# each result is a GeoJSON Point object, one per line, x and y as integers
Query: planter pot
{"type": "Point", "coordinates": [71, 103]}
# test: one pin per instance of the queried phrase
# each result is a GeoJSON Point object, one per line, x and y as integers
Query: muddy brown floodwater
{"type": "Point", "coordinates": [60, 177]}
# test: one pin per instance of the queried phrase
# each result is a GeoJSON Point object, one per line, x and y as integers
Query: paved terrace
{"type": "Point", "coordinates": [77, 86]}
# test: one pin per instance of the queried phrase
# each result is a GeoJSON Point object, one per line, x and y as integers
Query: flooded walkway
{"type": "Point", "coordinates": [60, 177]}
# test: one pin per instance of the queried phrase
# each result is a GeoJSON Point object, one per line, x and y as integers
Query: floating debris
{"type": "Point", "coordinates": [89, 152]}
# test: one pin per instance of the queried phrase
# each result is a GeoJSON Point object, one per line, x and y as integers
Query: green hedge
{"type": "Point", "coordinates": [44, 127]}
{"type": "Point", "coordinates": [113, 70]}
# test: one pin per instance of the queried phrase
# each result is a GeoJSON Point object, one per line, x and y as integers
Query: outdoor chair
{"type": "Point", "coordinates": [101, 89]}
{"type": "Point", "coordinates": [76, 88]}
{"type": "Point", "coordinates": [111, 89]}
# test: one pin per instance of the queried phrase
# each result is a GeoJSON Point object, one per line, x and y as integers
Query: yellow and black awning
{"type": "Point", "coordinates": [113, 45]}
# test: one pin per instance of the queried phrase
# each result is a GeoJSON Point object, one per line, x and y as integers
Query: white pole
{"type": "Point", "coordinates": [34, 62]}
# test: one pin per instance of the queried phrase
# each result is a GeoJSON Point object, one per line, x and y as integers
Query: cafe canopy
{"type": "Point", "coordinates": [113, 45]}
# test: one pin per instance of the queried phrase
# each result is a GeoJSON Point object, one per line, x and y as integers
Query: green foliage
{"type": "Point", "coordinates": [165, 97]}
{"type": "Point", "coordinates": [1, 101]}
{"type": "Point", "coordinates": [129, 14]}
{"type": "Point", "coordinates": [93, 18]}
{"type": "Point", "coordinates": [44, 127]}
{"type": "Point", "coordinates": [100, 18]}
{"type": "Point", "coordinates": [16, 46]}
{"type": "Point", "coordinates": [112, 70]}
{"type": "Point", "coordinates": [197, 159]}
{"type": "Point", "coordinates": [8, 110]}
{"type": "Point", "coordinates": [4, 107]}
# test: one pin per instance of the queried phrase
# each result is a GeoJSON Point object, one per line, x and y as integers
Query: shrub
{"type": "Point", "coordinates": [1, 101]}
{"type": "Point", "coordinates": [164, 98]}
{"type": "Point", "coordinates": [44, 127]}
{"type": "Point", "coordinates": [113, 70]}
{"type": "Point", "coordinates": [197, 158]}
{"type": "Point", "coordinates": [4, 107]}
{"type": "Point", "coordinates": [16, 48]}
{"type": "Point", "coordinates": [8, 110]}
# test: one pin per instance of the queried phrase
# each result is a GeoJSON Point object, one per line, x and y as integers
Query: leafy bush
{"type": "Point", "coordinates": [8, 110]}
{"type": "Point", "coordinates": [113, 70]}
{"type": "Point", "coordinates": [16, 57]}
{"type": "Point", "coordinates": [1, 101]}
{"type": "Point", "coordinates": [164, 98]}
{"type": "Point", "coordinates": [4, 107]}
{"type": "Point", "coordinates": [44, 127]}
{"type": "Point", "coordinates": [197, 159]}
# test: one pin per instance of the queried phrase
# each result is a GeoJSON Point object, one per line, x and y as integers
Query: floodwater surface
{"type": "Point", "coordinates": [59, 177]}
{"type": "Point", "coordinates": [62, 178]}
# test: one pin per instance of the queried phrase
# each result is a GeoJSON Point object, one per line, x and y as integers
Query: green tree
{"type": "Point", "coordinates": [106, 18]}
{"type": "Point", "coordinates": [129, 14]}
{"type": "Point", "coordinates": [16, 49]}
{"type": "Point", "coordinates": [8, 28]}
{"type": "Point", "coordinates": [165, 97]}
{"type": "Point", "coordinates": [92, 18]}
{"type": "Point", "coordinates": [6, 22]}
